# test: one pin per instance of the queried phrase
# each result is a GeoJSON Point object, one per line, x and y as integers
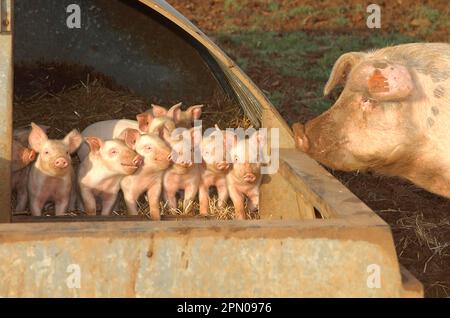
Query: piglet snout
{"type": "Point", "coordinates": [61, 163]}
{"type": "Point", "coordinates": [138, 161]}
{"type": "Point", "coordinates": [222, 166]}
{"type": "Point", "coordinates": [186, 164]}
{"type": "Point", "coordinates": [249, 177]}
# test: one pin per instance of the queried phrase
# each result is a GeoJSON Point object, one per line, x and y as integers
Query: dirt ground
{"type": "Point", "coordinates": [288, 48]}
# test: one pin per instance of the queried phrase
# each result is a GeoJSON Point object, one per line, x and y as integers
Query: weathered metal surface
{"type": "Point", "coordinates": [5, 16]}
{"type": "Point", "coordinates": [5, 124]}
{"type": "Point", "coordinates": [192, 259]}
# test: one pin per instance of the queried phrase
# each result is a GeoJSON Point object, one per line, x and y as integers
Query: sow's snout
{"type": "Point", "coordinates": [322, 140]}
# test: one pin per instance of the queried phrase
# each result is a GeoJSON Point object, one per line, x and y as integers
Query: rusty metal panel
{"type": "Point", "coordinates": [200, 259]}
{"type": "Point", "coordinates": [6, 88]}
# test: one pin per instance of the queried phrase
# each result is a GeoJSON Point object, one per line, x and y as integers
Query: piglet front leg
{"type": "Point", "coordinates": [109, 199]}
{"type": "Point", "coordinates": [190, 192]}
{"type": "Point", "coordinates": [36, 205]}
{"type": "Point", "coordinates": [153, 195]}
{"type": "Point", "coordinates": [89, 202]}
{"type": "Point", "coordinates": [238, 202]}
{"type": "Point", "coordinates": [130, 200]}
{"type": "Point", "coordinates": [253, 199]}
{"type": "Point", "coordinates": [61, 205]}
{"type": "Point", "coordinates": [222, 191]}
{"type": "Point", "coordinates": [203, 197]}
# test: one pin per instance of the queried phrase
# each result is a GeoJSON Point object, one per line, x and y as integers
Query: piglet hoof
{"type": "Point", "coordinates": [155, 217]}
{"type": "Point", "coordinates": [239, 216]}
{"type": "Point", "coordinates": [221, 204]}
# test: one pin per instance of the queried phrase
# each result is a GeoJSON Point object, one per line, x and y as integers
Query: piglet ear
{"type": "Point", "coordinates": [393, 82]}
{"type": "Point", "coordinates": [175, 112]}
{"type": "Point", "coordinates": [94, 143]}
{"type": "Point", "coordinates": [31, 155]}
{"type": "Point", "coordinates": [163, 133]}
{"type": "Point", "coordinates": [37, 137]}
{"type": "Point", "coordinates": [195, 112]}
{"type": "Point", "coordinates": [159, 111]}
{"type": "Point", "coordinates": [129, 136]}
{"type": "Point", "coordinates": [144, 121]}
{"type": "Point", "coordinates": [73, 140]}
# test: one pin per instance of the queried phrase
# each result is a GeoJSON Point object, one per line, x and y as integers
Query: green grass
{"type": "Point", "coordinates": [308, 57]}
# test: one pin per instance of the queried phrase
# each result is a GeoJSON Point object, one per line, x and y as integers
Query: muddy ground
{"type": "Point", "coordinates": [288, 48]}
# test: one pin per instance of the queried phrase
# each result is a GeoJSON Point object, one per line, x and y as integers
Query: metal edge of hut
{"type": "Point", "coordinates": [347, 218]}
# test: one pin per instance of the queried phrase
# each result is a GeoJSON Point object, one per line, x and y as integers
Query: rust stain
{"type": "Point", "coordinates": [377, 83]}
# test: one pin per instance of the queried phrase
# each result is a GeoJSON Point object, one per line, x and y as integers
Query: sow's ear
{"type": "Point", "coordinates": [341, 69]}
{"type": "Point", "coordinates": [388, 81]}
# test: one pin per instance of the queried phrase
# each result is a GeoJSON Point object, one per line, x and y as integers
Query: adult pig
{"type": "Point", "coordinates": [392, 116]}
{"type": "Point", "coordinates": [51, 177]}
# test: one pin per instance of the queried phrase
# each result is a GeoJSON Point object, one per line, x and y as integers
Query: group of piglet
{"type": "Point", "coordinates": [136, 157]}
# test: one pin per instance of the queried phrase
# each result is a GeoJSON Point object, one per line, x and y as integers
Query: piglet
{"type": "Point", "coordinates": [184, 173]}
{"type": "Point", "coordinates": [214, 169]}
{"type": "Point", "coordinates": [101, 172]}
{"type": "Point", "coordinates": [148, 178]}
{"type": "Point", "coordinates": [184, 119]}
{"type": "Point", "coordinates": [145, 122]}
{"type": "Point", "coordinates": [245, 177]}
{"type": "Point", "coordinates": [51, 177]}
{"type": "Point", "coordinates": [21, 159]}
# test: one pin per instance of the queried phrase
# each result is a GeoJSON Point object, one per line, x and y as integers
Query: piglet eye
{"type": "Point", "coordinates": [148, 148]}
{"type": "Point", "coordinates": [46, 152]}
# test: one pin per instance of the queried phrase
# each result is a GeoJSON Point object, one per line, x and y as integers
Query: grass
{"type": "Point", "coordinates": [302, 55]}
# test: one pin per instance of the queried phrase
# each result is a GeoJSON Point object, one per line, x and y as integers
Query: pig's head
{"type": "Point", "coordinates": [115, 155]}
{"type": "Point", "coordinates": [151, 147]}
{"type": "Point", "coordinates": [53, 155]}
{"type": "Point", "coordinates": [213, 148]}
{"type": "Point", "coordinates": [150, 123]}
{"type": "Point", "coordinates": [244, 153]}
{"type": "Point", "coordinates": [372, 123]}
{"type": "Point", "coordinates": [181, 118]}
{"type": "Point", "coordinates": [184, 145]}
{"type": "Point", "coordinates": [21, 156]}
